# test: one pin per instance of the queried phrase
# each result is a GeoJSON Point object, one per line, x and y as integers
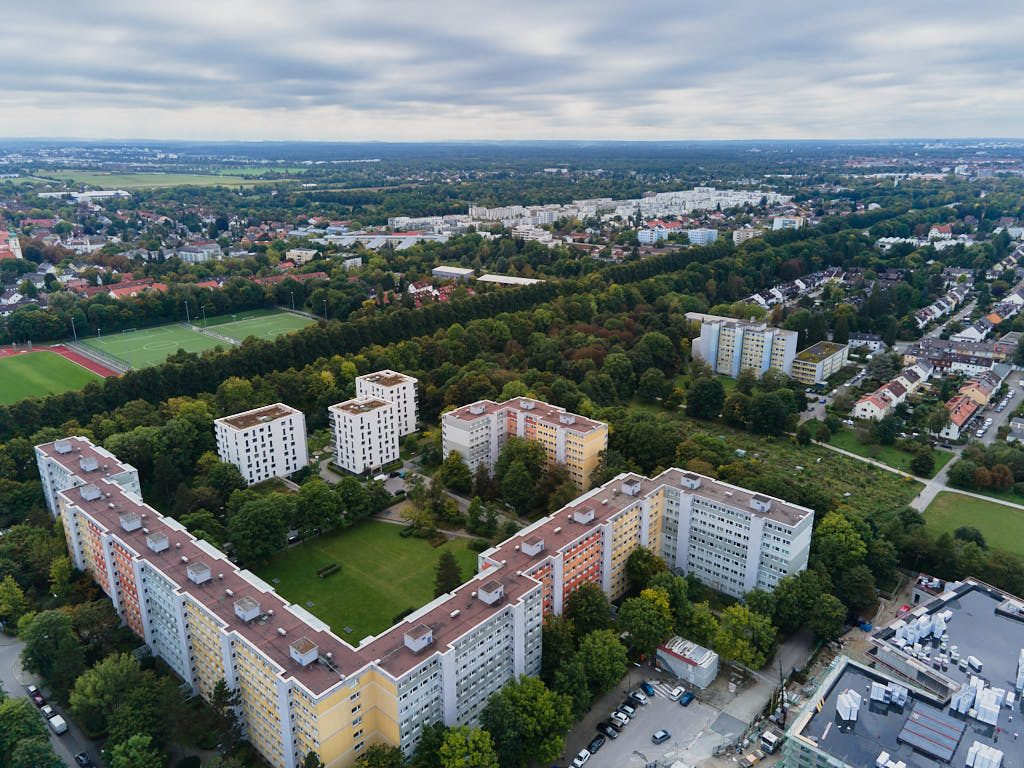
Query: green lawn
{"type": "Point", "coordinates": [151, 346]}
{"type": "Point", "coordinates": [381, 575]}
{"type": "Point", "coordinates": [145, 180]}
{"type": "Point", "coordinates": [887, 454]}
{"type": "Point", "coordinates": [1001, 526]}
{"type": "Point", "coordinates": [262, 323]}
{"type": "Point", "coordinates": [39, 373]}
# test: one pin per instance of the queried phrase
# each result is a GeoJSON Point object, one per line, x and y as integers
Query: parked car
{"type": "Point", "coordinates": [38, 699]}
{"type": "Point", "coordinates": [48, 711]}
{"type": "Point", "coordinates": [607, 729]}
{"type": "Point", "coordinates": [647, 688]}
{"type": "Point", "coordinates": [661, 736]}
{"type": "Point", "coordinates": [627, 709]}
{"type": "Point", "coordinates": [618, 720]}
{"type": "Point", "coordinates": [686, 699]}
{"type": "Point", "coordinates": [581, 759]}
{"type": "Point", "coordinates": [677, 693]}
{"type": "Point", "coordinates": [595, 744]}
{"type": "Point", "coordinates": [638, 697]}
{"type": "Point", "coordinates": [58, 724]}
{"type": "Point", "coordinates": [84, 761]}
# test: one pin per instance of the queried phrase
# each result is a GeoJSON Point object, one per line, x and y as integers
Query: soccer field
{"type": "Point", "coordinates": [151, 346]}
{"type": "Point", "coordinates": [263, 324]}
{"type": "Point", "coordinates": [39, 373]}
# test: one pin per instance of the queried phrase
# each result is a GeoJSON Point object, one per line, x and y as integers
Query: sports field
{"type": "Point", "coordinates": [151, 346]}
{"type": "Point", "coordinates": [263, 324]}
{"type": "Point", "coordinates": [147, 180]}
{"type": "Point", "coordinates": [39, 373]}
{"type": "Point", "coordinates": [381, 575]}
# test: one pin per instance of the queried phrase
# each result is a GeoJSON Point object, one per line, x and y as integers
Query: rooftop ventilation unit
{"type": "Point", "coordinates": [566, 418]}
{"type": "Point", "coordinates": [690, 480]}
{"type": "Point", "coordinates": [583, 514]}
{"type": "Point", "coordinates": [419, 637]}
{"type": "Point", "coordinates": [558, 529]}
{"type": "Point", "coordinates": [453, 614]}
{"type": "Point", "coordinates": [631, 486]}
{"type": "Point", "coordinates": [760, 503]}
{"type": "Point", "coordinates": [491, 592]}
{"type": "Point", "coordinates": [247, 608]}
{"type": "Point", "coordinates": [526, 405]}
{"type": "Point", "coordinates": [477, 408]}
{"type": "Point", "coordinates": [62, 446]}
{"type": "Point", "coordinates": [198, 573]}
{"type": "Point", "coordinates": [88, 463]}
{"type": "Point", "coordinates": [130, 521]}
{"type": "Point", "coordinates": [229, 592]}
{"type": "Point", "coordinates": [157, 541]}
{"type": "Point", "coordinates": [90, 492]}
{"type": "Point", "coordinates": [533, 545]}
{"type": "Point", "coordinates": [304, 651]}
{"type": "Point", "coordinates": [282, 631]}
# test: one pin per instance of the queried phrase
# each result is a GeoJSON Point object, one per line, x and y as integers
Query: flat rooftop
{"type": "Point", "coordinates": [360, 405]}
{"type": "Point", "coordinates": [819, 351]}
{"type": "Point", "coordinates": [388, 378]}
{"type": "Point", "coordinates": [258, 416]}
{"type": "Point", "coordinates": [880, 727]}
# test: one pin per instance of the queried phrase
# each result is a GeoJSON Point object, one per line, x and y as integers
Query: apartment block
{"type": "Point", "coordinates": [263, 442]}
{"type": "Point", "coordinates": [396, 388]}
{"type": "Point", "coordinates": [364, 432]}
{"type": "Point", "coordinates": [65, 466]}
{"type": "Point", "coordinates": [303, 688]}
{"type": "Point", "coordinates": [729, 345]}
{"type": "Point", "coordinates": [702, 236]}
{"type": "Point", "coordinates": [480, 430]}
{"type": "Point", "coordinates": [819, 361]}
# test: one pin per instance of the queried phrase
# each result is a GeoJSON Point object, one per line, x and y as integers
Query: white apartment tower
{"type": "Point", "coordinates": [729, 345]}
{"type": "Point", "coordinates": [364, 433]}
{"type": "Point", "coordinates": [396, 388]}
{"type": "Point", "coordinates": [264, 442]}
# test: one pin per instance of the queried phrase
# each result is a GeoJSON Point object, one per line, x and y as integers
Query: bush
{"type": "Point", "coordinates": [208, 740]}
{"type": "Point", "coordinates": [190, 762]}
{"type": "Point", "coordinates": [1018, 488]}
{"type": "Point", "coordinates": [407, 531]}
{"type": "Point", "coordinates": [328, 570]}
{"type": "Point", "coordinates": [479, 545]}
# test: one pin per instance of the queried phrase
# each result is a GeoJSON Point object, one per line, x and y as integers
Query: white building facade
{"type": "Point", "coordinates": [396, 388]}
{"type": "Point", "coordinates": [364, 432]}
{"type": "Point", "coordinates": [263, 442]}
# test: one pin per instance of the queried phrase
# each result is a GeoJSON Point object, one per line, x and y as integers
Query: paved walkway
{"type": "Point", "coordinates": [867, 460]}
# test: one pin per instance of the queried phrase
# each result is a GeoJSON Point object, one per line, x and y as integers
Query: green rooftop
{"type": "Point", "coordinates": [818, 352]}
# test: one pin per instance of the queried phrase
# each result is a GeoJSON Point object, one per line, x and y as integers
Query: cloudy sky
{"type": "Point", "coordinates": [351, 70]}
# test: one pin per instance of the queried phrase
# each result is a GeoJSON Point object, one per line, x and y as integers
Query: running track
{"type": "Point", "coordinates": [69, 354]}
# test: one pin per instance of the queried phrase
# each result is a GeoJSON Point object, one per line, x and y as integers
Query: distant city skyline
{"type": "Point", "coordinates": [409, 71]}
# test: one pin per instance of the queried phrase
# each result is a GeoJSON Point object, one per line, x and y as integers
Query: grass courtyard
{"type": "Point", "coordinates": [887, 454]}
{"type": "Point", "coordinates": [39, 373]}
{"type": "Point", "coordinates": [381, 575]}
{"type": "Point", "coordinates": [1002, 526]}
{"type": "Point", "coordinates": [261, 323]}
{"type": "Point", "coordinates": [151, 346]}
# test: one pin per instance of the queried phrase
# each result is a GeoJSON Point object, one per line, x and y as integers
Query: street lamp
{"type": "Point", "coordinates": [293, 299]}
{"type": "Point", "coordinates": [325, 309]}
{"type": "Point", "coordinates": [204, 315]}
{"type": "Point", "coordinates": [75, 332]}
{"type": "Point", "coordinates": [187, 318]}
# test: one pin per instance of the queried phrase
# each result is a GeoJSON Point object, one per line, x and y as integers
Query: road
{"type": "Point", "coordinates": [14, 680]}
{"type": "Point", "coordinates": [1013, 381]}
{"type": "Point", "coordinates": [934, 333]}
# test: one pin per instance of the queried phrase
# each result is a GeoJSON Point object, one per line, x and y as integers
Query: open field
{"type": "Point", "coordinates": [143, 180]}
{"type": "Point", "coordinates": [1001, 526]}
{"type": "Point", "coordinates": [887, 454]}
{"type": "Point", "coordinates": [263, 324]}
{"type": "Point", "coordinates": [39, 373]}
{"type": "Point", "coordinates": [381, 575]}
{"type": "Point", "coordinates": [151, 346]}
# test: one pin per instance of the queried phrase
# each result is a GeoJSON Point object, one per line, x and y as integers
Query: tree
{"type": "Point", "coordinates": [588, 608]}
{"type": "Point", "coordinates": [856, 587]}
{"type": "Point", "coordinates": [527, 722]}
{"type": "Point", "coordinates": [641, 566]}
{"type": "Point", "coordinates": [137, 752]}
{"type": "Point", "coordinates": [223, 702]}
{"type": "Point", "coordinates": [381, 756]}
{"type": "Point", "coordinates": [938, 418]}
{"type": "Point", "coordinates": [100, 690]}
{"type": "Point", "coordinates": [518, 487]}
{"type": "Point", "coordinates": [570, 679]}
{"type": "Point", "coordinates": [886, 429]}
{"type": "Point", "coordinates": [970, 533]}
{"type": "Point", "coordinates": [13, 604]}
{"type": "Point", "coordinates": [745, 381]}
{"type": "Point", "coordinates": [466, 747]}
{"type": "Point", "coordinates": [454, 473]}
{"type": "Point", "coordinates": [604, 660]}
{"type": "Point", "coordinates": [836, 546]}
{"type": "Point", "coordinates": [317, 506]}
{"type": "Point", "coordinates": [558, 643]}
{"type": "Point", "coordinates": [447, 576]}
{"type": "Point", "coordinates": [676, 588]}
{"type": "Point", "coordinates": [51, 649]}
{"type": "Point", "coordinates": [647, 620]}
{"type": "Point", "coordinates": [61, 573]}
{"type": "Point", "coordinates": [770, 411]}
{"type": "Point", "coordinates": [923, 464]}
{"type": "Point", "coordinates": [154, 707]}
{"type": "Point", "coordinates": [795, 597]}
{"type": "Point", "coordinates": [33, 753]}
{"type": "Point", "coordinates": [803, 435]}
{"type": "Point", "coordinates": [736, 409]}
{"type": "Point", "coordinates": [312, 760]}
{"type": "Point", "coordinates": [745, 637]}
{"type": "Point", "coordinates": [705, 398]}
{"type": "Point", "coordinates": [19, 723]}
{"type": "Point", "coordinates": [701, 625]}
{"type": "Point", "coordinates": [426, 754]}
{"type": "Point", "coordinates": [652, 385]}
{"type": "Point", "coordinates": [827, 617]}
{"type": "Point", "coordinates": [259, 528]}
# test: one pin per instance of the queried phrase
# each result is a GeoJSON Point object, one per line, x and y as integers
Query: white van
{"type": "Point", "coordinates": [57, 723]}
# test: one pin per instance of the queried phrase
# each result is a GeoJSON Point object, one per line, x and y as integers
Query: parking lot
{"type": "Point", "coordinates": [634, 747]}
{"type": "Point", "coordinates": [998, 417]}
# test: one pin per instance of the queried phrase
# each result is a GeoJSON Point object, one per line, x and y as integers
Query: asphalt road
{"type": "Point", "coordinates": [14, 680]}
{"type": "Point", "coordinates": [1013, 381]}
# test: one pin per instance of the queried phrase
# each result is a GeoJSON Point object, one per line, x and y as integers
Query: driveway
{"type": "Point", "coordinates": [1013, 381]}
{"type": "Point", "coordinates": [14, 680]}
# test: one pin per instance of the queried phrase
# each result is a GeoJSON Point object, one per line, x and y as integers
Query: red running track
{"type": "Point", "coordinates": [69, 354]}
